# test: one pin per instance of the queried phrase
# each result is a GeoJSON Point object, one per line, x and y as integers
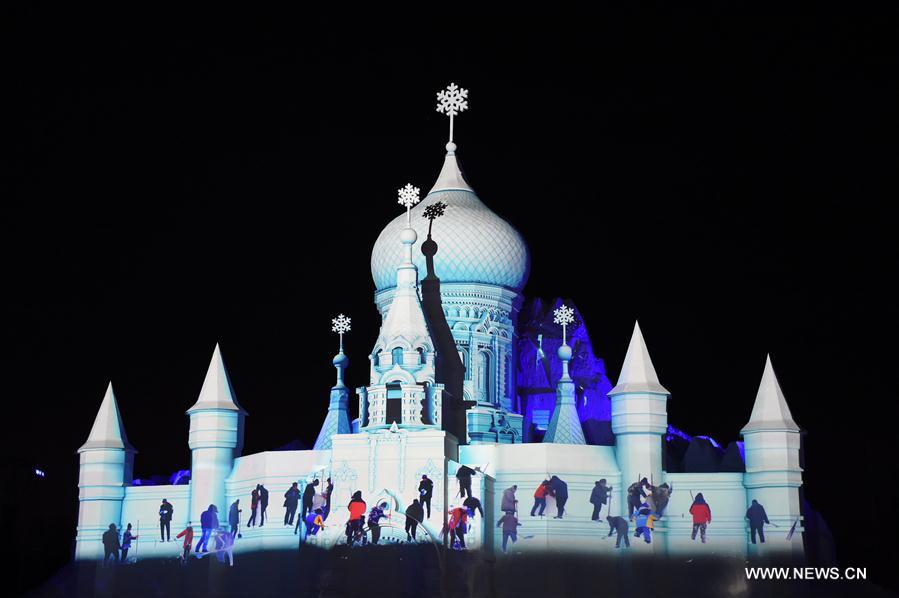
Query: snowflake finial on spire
{"type": "Point", "coordinates": [408, 197]}
{"type": "Point", "coordinates": [451, 101]}
{"type": "Point", "coordinates": [340, 325]}
{"type": "Point", "coordinates": [563, 316]}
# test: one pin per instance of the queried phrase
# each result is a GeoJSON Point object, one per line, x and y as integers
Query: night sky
{"type": "Point", "coordinates": [173, 181]}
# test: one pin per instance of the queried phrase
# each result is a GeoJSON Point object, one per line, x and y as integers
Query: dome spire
{"type": "Point", "coordinates": [340, 325]}
{"type": "Point", "coordinates": [451, 102]}
{"type": "Point", "coordinates": [565, 425]}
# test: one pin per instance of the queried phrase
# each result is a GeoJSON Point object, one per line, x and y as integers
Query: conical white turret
{"type": "Point", "coordinates": [770, 411]}
{"type": "Point", "coordinates": [108, 430]}
{"type": "Point", "coordinates": [106, 462]}
{"type": "Point", "coordinates": [215, 438]}
{"type": "Point", "coordinates": [771, 445]}
{"type": "Point", "coordinates": [637, 372]}
{"type": "Point", "coordinates": [216, 392]}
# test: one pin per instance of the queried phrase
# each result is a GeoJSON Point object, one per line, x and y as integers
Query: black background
{"type": "Point", "coordinates": [172, 180]}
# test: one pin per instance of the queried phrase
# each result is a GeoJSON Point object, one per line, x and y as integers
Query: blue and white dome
{"type": "Point", "coordinates": [475, 244]}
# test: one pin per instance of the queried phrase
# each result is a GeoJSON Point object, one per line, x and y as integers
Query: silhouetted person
{"type": "Point", "coordinates": [426, 491]}
{"type": "Point", "coordinates": [188, 534]}
{"type": "Point", "coordinates": [308, 495]}
{"type": "Point", "coordinates": [540, 497]}
{"type": "Point", "coordinates": [659, 498]}
{"type": "Point", "coordinates": [126, 542]}
{"type": "Point", "coordinates": [510, 524]}
{"type": "Point", "coordinates": [757, 520]}
{"type": "Point", "coordinates": [263, 503]}
{"type": "Point", "coordinates": [374, 519]}
{"type": "Point", "coordinates": [599, 497]}
{"type": "Point", "coordinates": [254, 506]}
{"type": "Point", "coordinates": [559, 490]}
{"type": "Point", "coordinates": [224, 546]}
{"type": "Point", "coordinates": [702, 516]}
{"type": "Point", "coordinates": [209, 520]}
{"type": "Point", "coordinates": [111, 544]}
{"type": "Point", "coordinates": [234, 517]}
{"type": "Point", "coordinates": [314, 522]}
{"type": "Point", "coordinates": [635, 494]}
{"type": "Point", "coordinates": [414, 514]}
{"type": "Point", "coordinates": [329, 490]}
{"type": "Point", "coordinates": [165, 520]}
{"type": "Point", "coordinates": [291, 500]}
{"type": "Point", "coordinates": [619, 525]}
{"type": "Point", "coordinates": [509, 503]}
{"type": "Point", "coordinates": [474, 506]}
{"type": "Point", "coordinates": [464, 474]}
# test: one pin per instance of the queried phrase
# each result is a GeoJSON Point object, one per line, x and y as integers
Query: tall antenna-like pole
{"type": "Point", "coordinates": [563, 316]}
{"type": "Point", "coordinates": [340, 325]}
{"type": "Point", "coordinates": [451, 101]}
{"type": "Point", "coordinates": [408, 197]}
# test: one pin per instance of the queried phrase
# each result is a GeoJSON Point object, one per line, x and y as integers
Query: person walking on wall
{"type": "Point", "coordinates": [598, 497]}
{"type": "Point", "coordinates": [636, 492]}
{"type": "Point", "coordinates": [559, 490]}
{"type": "Point", "coordinates": [509, 523]}
{"type": "Point", "coordinates": [540, 498]}
{"type": "Point", "coordinates": [414, 514]}
{"type": "Point", "coordinates": [357, 509]}
{"type": "Point", "coordinates": [374, 521]}
{"type": "Point", "coordinates": [618, 525]}
{"type": "Point", "coordinates": [308, 495]}
{"type": "Point", "coordinates": [509, 503]}
{"type": "Point", "coordinates": [644, 523]}
{"type": "Point", "coordinates": [188, 534]}
{"type": "Point", "coordinates": [291, 500]}
{"type": "Point", "coordinates": [702, 516]}
{"type": "Point", "coordinates": [165, 520]}
{"type": "Point", "coordinates": [426, 491]}
{"type": "Point", "coordinates": [757, 520]}
{"type": "Point", "coordinates": [473, 505]}
{"type": "Point", "coordinates": [457, 522]}
{"type": "Point", "coordinates": [111, 544]}
{"type": "Point", "coordinates": [209, 520]}
{"type": "Point", "coordinates": [234, 517]}
{"type": "Point", "coordinates": [263, 504]}
{"type": "Point", "coordinates": [329, 490]}
{"type": "Point", "coordinates": [126, 542]}
{"type": "Point", "coordinates": [463, 474]}
{"type": "Point", "coordinates": [254, 506]}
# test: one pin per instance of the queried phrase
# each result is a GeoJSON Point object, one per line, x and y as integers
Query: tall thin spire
{"type": "Point", "coordinates": [108, 431]}
{"type": "Point", "coordinates": [565, 425]}
{"type": "Point", "coordinates": [637, 372]}
{"type": "Point", "coordinates": [337, 421]}
{"type": "Point", "coordinates": [770, 410]}
{"type": "Point", "coordinates": [451, 101]}
{"type": "Point", "coordinates": [216, 392]}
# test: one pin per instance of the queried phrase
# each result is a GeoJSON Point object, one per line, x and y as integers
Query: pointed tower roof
{"type": "Point", "coordinates": [108, 431]}
{"type": "Point", "coordinates": [451, 177]}
{"type": "Point", "coordinates": [637, 372]}
{"type": "Point", "coordinates": [216, 392]}
{"type": "Point", "coordinates": [770, 411]}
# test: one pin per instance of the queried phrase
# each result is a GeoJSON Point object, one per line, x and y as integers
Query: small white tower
{"type": "Point", "coordinates": [215, 439]}
{"type": "Point", "coordinates": [402, 389]}
{"type": "Point", "coordinates": [773, 475]}
{"type": "Point", "coordinates": [565, 425]}
{"type": "Point", "coordinates": [639, 415]}
{"type": "Point", "coordinates": [106, 464]}
{"type": "Point", "coordinates": [338, 419]}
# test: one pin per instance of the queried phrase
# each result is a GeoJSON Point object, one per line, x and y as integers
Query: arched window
{"type": "Point", "coordinates": [397, 354]}
{"type": "Point", "coordinates": [394, 403]}
{"type": "Point", "coordinates": [484, 377]}
{"type": "Point", "coordinates": [421, 355]}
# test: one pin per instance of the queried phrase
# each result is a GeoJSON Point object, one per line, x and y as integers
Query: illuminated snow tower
{"type": "Point", "coordinates": [773, 475]}
{"type": "Point", "coordinates": [215, 439]}
{"type": "Point", "coordinates": [565, 425]}
{"type": "Point", "coordinates": [483, 264]}
{"type": "Point", "coordinates": [639, 415]}
{"type": "Point", "coordinates": [337, 421]}
{"type": "Point", "coordinates": [106, 463]}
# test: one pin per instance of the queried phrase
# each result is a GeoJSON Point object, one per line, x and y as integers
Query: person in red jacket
{"type": "Point", "coordinates": [188, 535]}
{"type": "Point", "coordinates": [357, 509]}
{"type": "Point", "coordinates": [540, 498]}
{"type": "Point", "coordinates": [702, 516]}
{"type": "Point", "coordinates": [457, 524]}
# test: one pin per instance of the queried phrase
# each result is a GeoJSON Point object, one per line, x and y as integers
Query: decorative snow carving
{"type": "Point", "coordinates": [451, 102]}
{"type": "Point", "coordinates": [563, 316]}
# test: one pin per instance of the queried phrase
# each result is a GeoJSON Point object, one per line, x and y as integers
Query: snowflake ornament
{"type": "Point", "coordinates": [408, 196]}
{"type": "Point", "coordinates": [452, 100]}
{"type": "Point", "coordinates": [563, 317]}
{"type": "Point", "coordinates": [340, 324]}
